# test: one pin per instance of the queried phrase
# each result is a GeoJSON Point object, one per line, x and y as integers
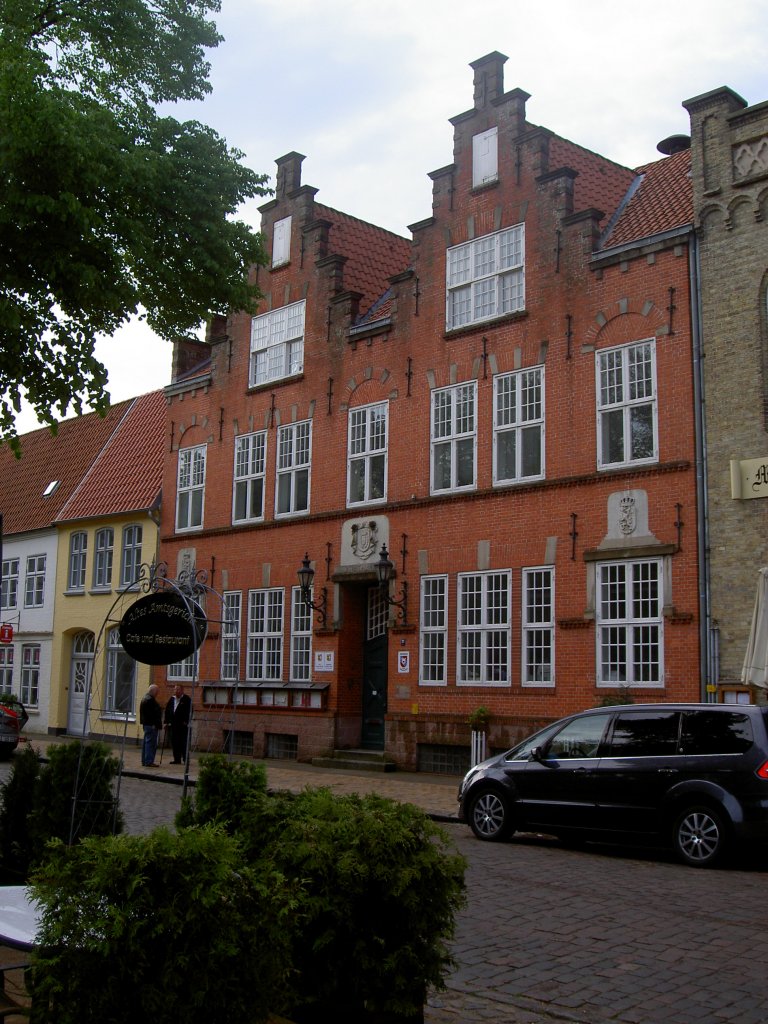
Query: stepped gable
{"type": "Point", "coordinates": [127, 475]}
{"type": "Point", "coordinates": [601, 184]}
{"type": "Point", "coordinates": [65, 457]}
{"type": "Point", "coordinates": [373, 253]}
{"type": "Point", "coordinates": [662, 201]}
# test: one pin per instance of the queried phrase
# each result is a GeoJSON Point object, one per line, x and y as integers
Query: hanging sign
{"type": "Point", "coordinates": [162, 628]}
{"type": "Point", "coordinates": [6, 633]}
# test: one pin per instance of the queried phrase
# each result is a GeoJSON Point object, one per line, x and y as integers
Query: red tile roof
{"type": "Point", "coordinates": [374, 254]}
{"type": "Point", "coordinates": [65, 457]}
{"type": "Point", "coordinates": [662, 200]}
{"type": "Point", "coordinates": [127, 474]}
{"type": "Point", "coordinates": [601, 184]}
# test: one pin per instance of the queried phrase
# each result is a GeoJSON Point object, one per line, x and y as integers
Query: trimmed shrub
{"type": "Point", "coordinates": [228, 793]}
{"type": "Point", "coordinates": [16, 799]}
{"type": "Point", "coordinates": [381, 887]}
{"type": "Point", "coordinates": [169, 928]}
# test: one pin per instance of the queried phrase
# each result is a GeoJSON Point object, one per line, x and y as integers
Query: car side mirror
{"type": "Point", "coordinates": [537, 754]}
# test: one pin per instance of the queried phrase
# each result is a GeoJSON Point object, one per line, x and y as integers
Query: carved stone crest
{"type": "Point", "coordinates": [365, 539]}
{"type": "Point", "coordinates": [627, 515]}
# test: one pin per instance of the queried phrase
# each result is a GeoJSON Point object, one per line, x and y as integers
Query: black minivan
{"type": "Point", "coordinates": [692, 775]}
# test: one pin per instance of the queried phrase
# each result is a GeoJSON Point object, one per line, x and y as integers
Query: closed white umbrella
{"type": "Point", "coordinates": [755, 670]}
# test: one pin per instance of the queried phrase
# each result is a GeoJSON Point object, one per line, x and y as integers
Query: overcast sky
{"type": "Point", "coordinates": [364, 89]}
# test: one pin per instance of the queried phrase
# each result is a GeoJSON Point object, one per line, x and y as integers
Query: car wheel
{"type": "Point", "coordinates": [490, 817]}
{"type": "Point", "coordinates": [699, 836]}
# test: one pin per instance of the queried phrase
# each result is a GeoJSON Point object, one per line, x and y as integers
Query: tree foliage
{"type": "Point", "coordinates": [110, 209]}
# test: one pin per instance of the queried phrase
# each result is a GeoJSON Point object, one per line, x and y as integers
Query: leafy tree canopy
{"type": "Point", "coordinates": [109, 208]}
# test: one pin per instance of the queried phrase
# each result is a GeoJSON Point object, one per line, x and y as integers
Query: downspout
{"type": "Point", "coordinates": [707, 640]}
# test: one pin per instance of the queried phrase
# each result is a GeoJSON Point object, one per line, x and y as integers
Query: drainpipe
{"type": "Point", "coordinates": [707, 656]}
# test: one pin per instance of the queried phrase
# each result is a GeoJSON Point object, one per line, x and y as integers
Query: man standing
{"type": "Point", "coordinates": [151, 718]}
{"type": "Point", "coordinates": [178, 712]}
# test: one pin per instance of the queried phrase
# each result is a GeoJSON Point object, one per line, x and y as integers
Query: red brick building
{"type": "Point", "coordinates": [506, 403]}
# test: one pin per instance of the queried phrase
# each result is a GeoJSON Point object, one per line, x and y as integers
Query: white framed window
{"type": "Point", "coordinates": [485, 278]}
{"type": "Point", "coordinates": [265, 636]}
{"type": "Point", "coordinates": [277, 344]}
{"type": "Point", "coordinates": [184, 671]}
{"type": "Point", "coordinates": [294, 452]}
{"type": "Point", "coordinates": [518, 426]}
{"type": "Point", "coordinates": [102, 558]}
{"type": "Point", "coordinates": [78, 551]}
{"type": "Point", "coordinates": [630, 629]}
{"type": "Point", "coordinates": [130, 561]}
{"type": "Point", "coordinates": [538, 606]}
{"type": "Point", "coordinates": [250, 467]}
{"type": "Point", "coordinates": [433, 634]}
{"type": "Point", "coordinates": [301, 638]}
{"type": "Point", "coordinates": [30, 675]}
{"type": "Point", "coordinates": [281, 242]}
{"type": "Point", "coordinates": [367, 454]}
{"type": "Point", "coordinates": [121, 677]}
{"type": "Point", "coordinates": [627, 428]}
{"type": "Point", "coordinates": [454, 438]}
{"type": "Point", "coordinates": [6, 668]}
{"type": "Point", "coordinates": [190, 488]}
{"type": "Point", "coordinates": [9, 594]}
{"type": "Point", "coordinates": [230, 635]}
{"type": "Point", "coordinates": [377, 614]}
{"type": "Point", "coordinates": [484, 602]}
{"type": "Point", "coordinates": [34, 584]}
{"type": "Point", "coordinates": [485, 157]}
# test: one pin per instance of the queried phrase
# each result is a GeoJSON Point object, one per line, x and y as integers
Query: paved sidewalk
{"type": "Point", "coordinates": [435, 794]}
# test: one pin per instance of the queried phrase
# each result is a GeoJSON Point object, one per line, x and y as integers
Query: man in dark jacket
{"type": "Point", "coordinates": [151, 718]}
{"type": "Point", "coordinates": [178, 712]}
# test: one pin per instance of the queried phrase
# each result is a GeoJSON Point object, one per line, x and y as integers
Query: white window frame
{"type": "Point", "coordinates": [294, 462]}
{"type": "Point", "coordinates": [184, 671]}
{"type": "Point", "coordinates": [120, 696]}
{"type": "Point", "coordinates": [483, 616]}
{"type": "Point", "coordinates": [103, 549]}
{"type": "Point", "coordinates": [622, 397]}
{"type": "Point", "coordinates": [433, 632]}
{"type": "Point", "coordinates": [367, 453]}
{"type": "Point", "coordinates": [6, 668]}
{"type": "Point", "coordinates": [453, 431]}
{"type": "Point", "coordinates": [518, 416]}
{"type": "Point", "coordinates": [34, 584]}
{"type": "Point", "coordinates": [301, 638]}
{"type": "Point", "coordinates": [538, 629]}
{"type": "Point", "coordinates": [281, 242]}
{"type": "Point", "coordinates": [9, 589]}
{"type": "Point", "coordinates": [130, 561]}
{"type": "Point", "coordinates": [485, 157]}
{"type": "Point", "coordinates": [190, 488]}
{"type": "Point", "coordinates": [629, 606]}
{"type": "Point", "coordinates": [277, 344]}
{"type": "Point", "coordinates": [264, 655]}
{"type": "Point", "coordinates": [230, 635]}
{"type": "Point", "coordinates": [249, 478]}
{"type": "Point", "coordinates": [485, 278]}
{"type": "Point", "coordinates": [30, 675]}
{"type": "Point", "coordinates": [78, 555]}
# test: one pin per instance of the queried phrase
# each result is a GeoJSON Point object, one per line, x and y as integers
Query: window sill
{"type": "Point", "coordinates": [74, 593]}
{"type": "Point", "coordinates": [484, 325]}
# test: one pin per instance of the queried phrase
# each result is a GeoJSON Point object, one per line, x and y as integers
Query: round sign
{"type": "Point", "coordinates": [162, 628]}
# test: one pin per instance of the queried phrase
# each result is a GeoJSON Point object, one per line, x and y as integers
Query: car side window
{"type": "Point", "coordinates": [645, 734]}
{"type": "Point", "coordinates": [523, 751]}
{"type": "Point", "coordinates": [579, 738]}
{"type": "Point", "coordinates": [715, 732]}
